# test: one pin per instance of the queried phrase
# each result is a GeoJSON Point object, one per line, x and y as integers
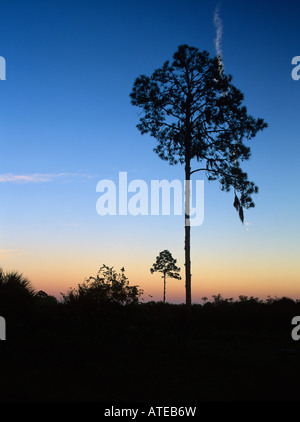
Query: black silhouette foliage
{"type": "Point", "coordinates": [107, 287]}
{"type": "Point", "coordinates": [16, 292]}
{"type": "Point", "coordinates": [57, 352]}
{"type": "Point", "coordinates": [166, 264]}
{"type": "Point", "coordinates": [193, 110]}
{"type": "Point", "coordinates": [195, 113]}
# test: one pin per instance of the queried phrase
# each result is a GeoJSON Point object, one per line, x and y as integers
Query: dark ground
{"type": "Point", "coordinates": [147, 352]}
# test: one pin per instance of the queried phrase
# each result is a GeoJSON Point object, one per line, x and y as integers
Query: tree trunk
{"type": "Point", "coordinates": [187, 227]}
{"type": "Point", "coordinates": [187, 246]}
{"type": "Point", "coordinates": [164, 287]}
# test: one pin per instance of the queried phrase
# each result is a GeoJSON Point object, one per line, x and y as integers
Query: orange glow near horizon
{"type": "Point", "coordinates": [57, 272]}
{"type": "Point", "coordinates": [250, 264]}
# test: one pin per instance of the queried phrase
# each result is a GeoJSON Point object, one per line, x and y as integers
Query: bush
{"type": "Point", "coordinates": [107, 287]}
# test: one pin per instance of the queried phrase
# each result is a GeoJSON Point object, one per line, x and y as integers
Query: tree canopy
{"type": "Point", "coordinates": [193, 110]}
{"type": "Point", "coordinates": [166, 264]}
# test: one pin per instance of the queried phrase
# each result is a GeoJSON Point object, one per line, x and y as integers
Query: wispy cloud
{"type": "Point", "coordinates": [219, 33]}
{"type": "Point", "coordinates": [39, 177]}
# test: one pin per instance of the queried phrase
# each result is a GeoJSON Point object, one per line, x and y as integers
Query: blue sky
{"type": "Point", "coordinates": [67, 122]}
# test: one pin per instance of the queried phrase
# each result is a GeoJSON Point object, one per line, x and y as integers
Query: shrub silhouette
{"type": "Point", "coordinates": [107, 287]}
{"type": "Point", "coordinates": [45, 298]}
{"type": "Point", "coordinates": [16, 292]}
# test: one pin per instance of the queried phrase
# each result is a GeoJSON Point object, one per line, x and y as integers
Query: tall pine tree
{"type": "Point", "coordinates": [196, 114]}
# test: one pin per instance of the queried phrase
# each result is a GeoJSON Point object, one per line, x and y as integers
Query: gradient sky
{"type": "Point", "coordinates": [67, 122]}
